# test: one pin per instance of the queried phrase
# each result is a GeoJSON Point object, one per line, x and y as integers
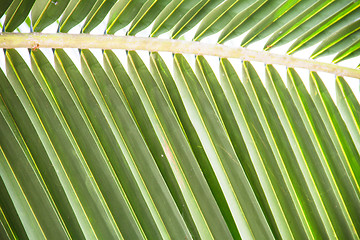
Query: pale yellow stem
{"type": "Point", "coordinates": [85, 41]}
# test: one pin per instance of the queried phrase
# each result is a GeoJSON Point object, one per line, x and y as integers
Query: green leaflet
{"type": "Point", "coordinates": [17, 13]}
{"type": "Point", "coordinates": [328, 157]}
{"type": "Point", "coordinates": [97, 14]}
{"type": "Point", "coordinates": [220, 153]}
{"type": "Point", "coordinates": [220, 16]}
{"type": "Point", "coordinates": [74, 13]}
{"type": "Point", "coordinates": [349, 108]}
{"type": "Point", "coordinates": [343, 18]}
{"type": "Point", "coordinates": [193, 17]}
{"type": "Point", "coordinates": [122, 14]}
{"type": "Point", "coordinates": [149, 11]}
{"type": "Point", "coordinates": [96, 158]}
{"type": "Point", "coordinates": [13, 226]}
{"type": "Point", "coordinates": [276, 19]}
{"type": "Point", "coordinates": [202, 211]}
{"type": "Point", "coordinates": [4, 5]}
{"type": "Point", "coordinates": [337, 129]}
{"type": "Point", "coordinates": [312, 226]}
{"type": "Point", "coordinates": [303, 22]}
{"type": "Point", "coordinates": [172, 13]}
{"type": "Point", "coordinates": [117, 144]}
{"type": "Point", "coordinates": [45, 12]}
{"type": "Point", "coordinates": [352, 51]}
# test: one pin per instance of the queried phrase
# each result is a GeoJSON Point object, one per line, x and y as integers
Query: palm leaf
{"type": "Point", "coordinates": [118, 145]}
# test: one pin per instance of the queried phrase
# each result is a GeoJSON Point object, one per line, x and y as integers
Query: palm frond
{"type": "Point", "coordinates": [127, 148]}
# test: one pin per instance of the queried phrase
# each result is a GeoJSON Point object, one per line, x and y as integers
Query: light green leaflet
{"type": "Point", "coordinates": [275, 162]}
{"type": "Point", "coordinates": [342, 18]}
{"type": "Point", "coordinates": [171, 15]}
{"type": "Point", "coordinates": [291, 169]}
{"type": "Point", "coordinates": [232, 179]}
{"type": "Point", "coordinates": [45, 12]}
{"type": "Point", "coordinates": [17, 13]}
{"type": "Point", "coordinates": [337, 129]}
{"type": "Point", "coordinates": [146, 15]}
{"type": "Point", "coordinates": [45, 157]}
{"type": "Point", "coordinates": [329, 160]}
{"type": "Point", "coordinates": [171, 173]}
{"type": "Point", "coordinates": [299, 140]}
{"type": "Point", "coordinates": [306, 20]}
{"type": "Point", "coordinates": [122, 14]}
{"type": "Point", "coordinates": [349, 108]}
{"type": "Point", "coordinates": [97, 14]}
{"type": "Point", "coordinates": [193, 17]}
{"type": "Point", "coordinates": [339, 40]}
{"type": "Point", "coordinates": [74, 13]}
{"type": "Point", "coordinates": [220, 16]}
{"type": "Point", "coordinates": [22, 73]}
{"type": "Point", "coordinates": [96, 158]}
{"type": "Point", "coordinates": [352, 51]}
{"type": "Point", "coordinates": [164, 212]}
{"type": "Point", "coordinates": [233, 27]}
{"type": "Point", "coordinates": [12, 226]}
{"type": "Point", "coordinates": [249, 124]}
{"type": "Point", "coordinates": [240, 140]}
{"type": "Point", "coordinates": [109, 143]}
{"type": "Point", "coordinates": [4, 6]}
{"type": "Point", "coordinates": [21, 202]}
{"type": "Point", "coordinates": [179, 154]}
{"type": "Point", "coordinates": [275, 20]}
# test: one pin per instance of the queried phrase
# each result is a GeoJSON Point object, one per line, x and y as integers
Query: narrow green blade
{"type": "Point", "coordinates": [172, 93]}
{"type": "Point", "coordinates": [137, 108]}
{"type": "Point", "coordinates": [45, 12]}
{"type": "Point", "coordinates": [13, 227]}
{"type": "Point", "coordinates": [339, 40]}
{"type": "Point", "coordinates": [67, 150]}
{"type": "Point", "coordinates": [350, 52]}
{"type": "Point", "coordinates": [307, 210]}
{"type": "Point", "coordinates": [349, 108]}
{"type": "Point", "coordinates": [193, 17]}
{"type": "Point", "coordinates": [45, 157]}
{"type": "Point", "coordinates": [5, 229]}
{"type": "Point", "coordinates": [287, 180]}
{"type": "Point", "coordinates": [221, 155]}
{"type": "Point", "coordinates": [75, 12]}
{"type": "Point", "coordinates": [50, 224]}
{"type": "Point", "coordinates": [257, 144]}
{"type": "Point", "coordinates": [92, 150]}
{"type": "Point", "coordinates": [146, 15]}
{"type": "Point", "coordinates": [321, 31]}
{"type": "Point", "coordinates": [329, 158]}
{"type": "Point", "coordinates": [218, 18]}
{"type": "Point", "coordinates": [180, 156]}
{"type": "Point", "coordinates": [337, 129]}
{"type": "Point", "coordinates": [17, 13]}
{"type": "Point", "coordinates": [238, 140]}
{"type": "Point", "coordinates": [19, 161]}
{"type": "Point", "coordinates": [122, 14]}
{"type": "Point", "coordinates": [172, 14]}
{"type": "Point", "coordinates": [236, 27]}
{"type": "Point", "coordinates": [4, 5]}
{"type": "Point", "coordinates": [116, 149]}
{"type": "Point", "coordinates": [97, 14]}
{"type": "Point", "coordinates": [81, 94]}
{"type": "Point", "coordinates": [318, 220]}
{"type": "Point", "coordinates": [275, 20]}
{"type": "Point", "coordinates": [156, 186]}
{"type": "Point", "coordinates": [16, 192]}
{"type": "Point", "coordinates": [313, 16]}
